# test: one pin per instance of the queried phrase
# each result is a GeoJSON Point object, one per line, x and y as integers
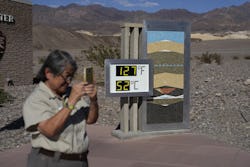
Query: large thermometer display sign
{"type": "Point", "coordinates": [128, 77]}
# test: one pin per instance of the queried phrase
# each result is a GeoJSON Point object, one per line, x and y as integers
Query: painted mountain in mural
{"type": "Point", "coordinates": [168, 58]}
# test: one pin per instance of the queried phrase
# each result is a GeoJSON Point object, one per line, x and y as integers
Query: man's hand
{"type": "Point", "coordinates": [76, 93]}
{"type": "Point", "coordinates": [90, 90]}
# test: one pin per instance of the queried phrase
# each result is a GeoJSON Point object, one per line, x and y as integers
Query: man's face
{"type": "Point", "coordinates": [59, 83]}
{"type": "Point", "coordinates": [2, 44]}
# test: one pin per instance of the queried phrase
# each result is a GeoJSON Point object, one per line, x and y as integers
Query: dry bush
{"type": "Point", "coordinates": [247, 57]}
{"type": "Point", "coordinates": [235, 58]}
{"type": "Point", "coordinates": [5, 97]}
{"type": "Point", "coordinates": [41, 59]}
{"type": "Point", "coordinates": [100, 53]}
{"type": "Point", "coordinates": [209, 58]}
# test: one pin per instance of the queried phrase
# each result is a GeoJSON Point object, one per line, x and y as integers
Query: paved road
{"type": "Point", "coordinates": [223, 47]}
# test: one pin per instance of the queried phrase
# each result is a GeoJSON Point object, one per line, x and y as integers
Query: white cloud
{"type": "Point", "coordinates": [99, 3]}
{"type": "Point", "coordinates": [141, 3]}
{"type": "Point", "coordinates": [84, 2]}
{"type": "Point", "coordinates": [54, 6]}
{"type": "Point", "coordinates": [150, 4]}
{"type": "Point", "coordinates": [124, 3]}
{"type": "Point", "coordinates": [87, 2]}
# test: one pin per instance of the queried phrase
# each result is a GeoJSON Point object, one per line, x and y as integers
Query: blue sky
{"type": "Point", "coordinates": [198, 6]}
{"type": "Point", "coordinates": [175, 36]}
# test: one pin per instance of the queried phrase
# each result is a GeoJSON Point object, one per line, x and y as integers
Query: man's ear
{"type": "Point", "coordinates": [48, 73]}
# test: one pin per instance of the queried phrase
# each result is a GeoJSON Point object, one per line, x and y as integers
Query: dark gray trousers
{"type": "Point", "coordinates": [35, 159]}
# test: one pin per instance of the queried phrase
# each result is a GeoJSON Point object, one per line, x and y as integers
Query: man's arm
{"type": "Point", "coordinates": [91, 91]}
{"type": "Point", "coordinates": [93, 111]}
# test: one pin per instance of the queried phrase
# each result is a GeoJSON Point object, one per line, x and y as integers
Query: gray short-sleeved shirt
{"type": "Point", "coordinates": [41, 105]}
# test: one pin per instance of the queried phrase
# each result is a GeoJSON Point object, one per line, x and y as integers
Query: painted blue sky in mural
{"type": "Point", "coordinates": [156, 36]}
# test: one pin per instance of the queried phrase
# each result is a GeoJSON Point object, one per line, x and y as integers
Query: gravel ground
{"type": "Point", "coordinates": [220, 105]}
{"type": "Point", "coordinates": [220, 101]}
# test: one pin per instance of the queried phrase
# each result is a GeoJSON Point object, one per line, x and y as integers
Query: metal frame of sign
{"type": "Point", "coordinates": [128, 62]}
{"type": "Point", "coordinates": [168, 26]}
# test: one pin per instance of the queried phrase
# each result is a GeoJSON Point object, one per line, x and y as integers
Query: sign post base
{"type": "Point", "coordinates": [129, 135]}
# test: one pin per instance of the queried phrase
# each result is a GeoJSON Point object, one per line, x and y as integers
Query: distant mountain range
{"type": "Point", "coordinates": [105, 20]}
{"type": "Point", "coordinates": [100, 20]}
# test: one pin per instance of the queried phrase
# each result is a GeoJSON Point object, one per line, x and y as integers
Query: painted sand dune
{"type": "Point", "coordinates": [167, 46]}
{"type": "Point", "coordinates": [169, 79]}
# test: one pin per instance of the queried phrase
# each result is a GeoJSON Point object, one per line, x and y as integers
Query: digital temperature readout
{"type": "Point", "coordinates": [128, 77]}
{"type": "Point", "coordinates": [126, 70]}
{"type": "Point", "coordinates": [122, 85]}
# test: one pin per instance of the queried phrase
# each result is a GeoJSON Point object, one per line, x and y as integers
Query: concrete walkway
{"type": "Point", "coordinates": [175, 150]}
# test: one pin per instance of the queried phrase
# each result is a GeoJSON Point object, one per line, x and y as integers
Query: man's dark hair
{"type": "Point", "coordinates": [56, 61]}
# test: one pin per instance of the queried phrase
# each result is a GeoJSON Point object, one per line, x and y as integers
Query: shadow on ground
{"type": "Point", "coordinates": [16, 124]}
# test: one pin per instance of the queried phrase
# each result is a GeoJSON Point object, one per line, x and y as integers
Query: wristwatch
{"type": "Point", "coordinates": [69, 106]}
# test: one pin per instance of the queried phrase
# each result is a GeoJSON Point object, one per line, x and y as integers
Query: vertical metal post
{"type": "Point", "coordinates": [130, 48]}
{"type": "Point", "coordinates": [141, 100]}
{"type": "Point", "coordinates": [134, 50]}
{"type": "Point", "coordinates": [124, 113]}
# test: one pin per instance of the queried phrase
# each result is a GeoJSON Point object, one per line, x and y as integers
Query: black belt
{"type": "Point", "coordinates": [73, 157]}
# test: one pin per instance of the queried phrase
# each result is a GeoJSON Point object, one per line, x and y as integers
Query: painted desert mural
{"type": "Point", "coordinates": [166, 49]}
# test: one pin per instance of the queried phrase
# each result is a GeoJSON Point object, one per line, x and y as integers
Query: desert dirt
{"type": "Point", "coordinates": [222, 36]}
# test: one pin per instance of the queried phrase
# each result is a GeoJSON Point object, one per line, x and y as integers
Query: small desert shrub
{"type": "Point", "coordinates": [196, 40]}
{"type": "Point", "coordinates": [77, 58]}
{"type": "Point", "coordinates": [209, 58]}
{"type": "Point", "coordinates": [41, 59]}
{"type": "Point", "coordinates": [100, 53]}
{"type": "Point", "coordinates": [235, 57]}
{"type": "Point", "coordinates": [247, 57]}
{"type": "Point", "coordinates": [5, 97]}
